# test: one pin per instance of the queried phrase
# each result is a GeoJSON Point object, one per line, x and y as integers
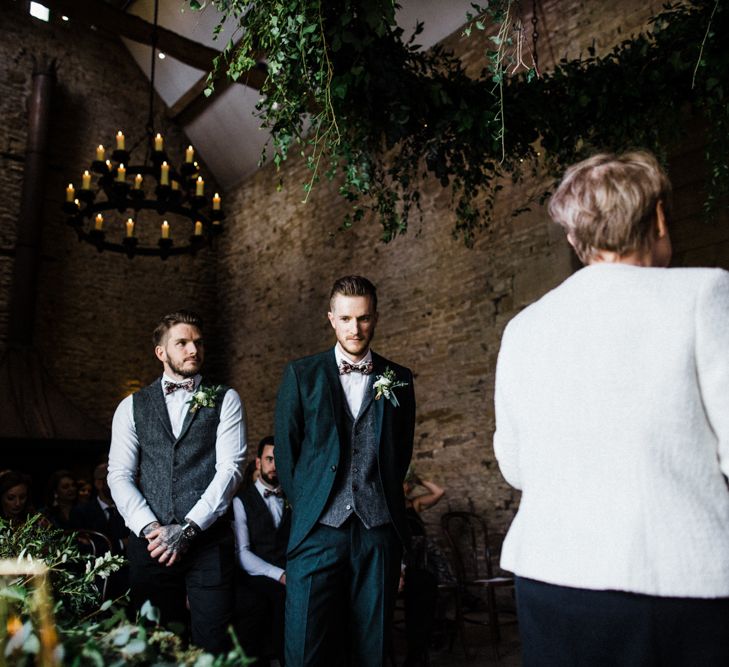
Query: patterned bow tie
{"type": "Point", "coordinates": [270, 492]}
{"type": "Point", "coordinates": [345, 368]}
{"type": "Point", "coordinates": [187, 385]}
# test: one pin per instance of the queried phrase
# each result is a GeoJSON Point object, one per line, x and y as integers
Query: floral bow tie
{"type": "Point", "coordinates": [345, 368]}
{"type": "Point", "coordinates": [272, 492]}
{"type": "Point", "coordinates": [187, 385]}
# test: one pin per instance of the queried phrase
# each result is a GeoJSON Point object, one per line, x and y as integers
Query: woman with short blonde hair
{"type": "Point", "coordinates": [612, 417]}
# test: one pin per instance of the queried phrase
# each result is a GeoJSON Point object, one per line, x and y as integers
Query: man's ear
{"type": "Point", "coordinates": [330, 315]}
{"type": "Point", "coordinates": [661, 225]}
{"type": "Point", "coordinates": [258, 463]}
{"type": "Point", "coordinates": [160, 353]}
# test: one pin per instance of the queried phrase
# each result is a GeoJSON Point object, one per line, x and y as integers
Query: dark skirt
{"type": "Point", "coordinates": [575, 627]}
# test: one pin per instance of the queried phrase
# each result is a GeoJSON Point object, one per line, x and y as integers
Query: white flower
{"type": "Point", "coordinates": [386, 384]}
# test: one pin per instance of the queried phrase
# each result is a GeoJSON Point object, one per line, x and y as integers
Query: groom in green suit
{"type": "Point", "coordinates": [345, 420]}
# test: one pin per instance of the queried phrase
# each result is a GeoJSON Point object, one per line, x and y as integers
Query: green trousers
{"type": "Point", "coordinates": [341, 585]}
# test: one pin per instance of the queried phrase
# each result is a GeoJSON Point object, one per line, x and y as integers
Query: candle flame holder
{"type": "Point", "coordinates": [128, 200]}
{"type": "Point", "coordinates": [176, 192]}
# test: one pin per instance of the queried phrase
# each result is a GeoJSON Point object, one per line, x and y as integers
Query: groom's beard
{"type": "Point", "coordinates": [187, 369]}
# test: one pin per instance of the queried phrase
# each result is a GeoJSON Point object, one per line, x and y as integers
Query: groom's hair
{"type": "Point", "coordinates": [169, 321]}
{"type": "Point", "coordinates": [354, 286]}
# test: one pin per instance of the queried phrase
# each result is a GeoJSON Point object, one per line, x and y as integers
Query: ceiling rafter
{"type": "Point", "coordinates": [110, 19]}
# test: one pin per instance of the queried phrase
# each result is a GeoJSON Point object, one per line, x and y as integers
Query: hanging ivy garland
{"type": "Point", "coordinates": [358, 102]}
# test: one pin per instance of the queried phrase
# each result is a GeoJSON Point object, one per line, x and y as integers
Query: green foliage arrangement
{"type": "Point", "coordinates": [91, 634]}
{"type": "Point", "coordinates": [359, 103]}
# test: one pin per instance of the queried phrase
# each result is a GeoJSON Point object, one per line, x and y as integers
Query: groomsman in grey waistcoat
{"type": "Point", "coordinates": [175, 462]}
{"type": "Point", "coordinates": [345, 421]}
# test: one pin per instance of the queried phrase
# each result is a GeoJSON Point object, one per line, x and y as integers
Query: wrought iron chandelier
{"type": "Point", "coordinates": [149, 202]}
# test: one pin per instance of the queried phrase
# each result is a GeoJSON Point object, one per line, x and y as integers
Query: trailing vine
{"type": "Point", "coordinates": [357, 101]}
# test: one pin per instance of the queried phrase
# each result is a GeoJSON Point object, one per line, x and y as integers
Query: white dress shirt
{"type": "Point", "coordinates": [230, 447]}
{"type": "Point", "coordinates": [354, 384]}
{"type": "Point", "coordinates": [252, 564]}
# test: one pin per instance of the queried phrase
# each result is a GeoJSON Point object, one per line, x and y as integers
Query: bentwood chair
{"type": "Point", "coordinates": [467, 536]}
{"type": "Point", "coordinates": [97, 544]}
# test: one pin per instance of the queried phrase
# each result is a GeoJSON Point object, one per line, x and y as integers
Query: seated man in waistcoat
{"type": "Point", "coordinates": [262, 526]}
{"type": "Point", "coordinates": [177, 449]}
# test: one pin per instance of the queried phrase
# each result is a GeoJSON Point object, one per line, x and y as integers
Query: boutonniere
{"type": "Point", "coordinates": [386, 384]}
{"type": "Point", "coordinates": [204, 397]}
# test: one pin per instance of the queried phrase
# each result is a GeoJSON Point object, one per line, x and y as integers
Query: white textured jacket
{"type": "Point", "coordinates": [612, 417]}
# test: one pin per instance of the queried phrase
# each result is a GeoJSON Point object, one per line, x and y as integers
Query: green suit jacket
{"type": "Point", "coordinates": [310, 435]}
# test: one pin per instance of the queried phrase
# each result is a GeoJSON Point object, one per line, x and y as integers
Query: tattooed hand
{"type": "Point", "coordinates": [167, 543]}
{"type": "Point", "coordinates": [149, 528]}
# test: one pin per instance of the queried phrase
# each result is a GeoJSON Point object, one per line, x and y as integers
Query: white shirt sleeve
{"type": "Point", "coordinates": [252, 564]}
{"type": "Point", "coordinates": [123, 465]}
{"type": "Point", "coordinates": [230, 449]}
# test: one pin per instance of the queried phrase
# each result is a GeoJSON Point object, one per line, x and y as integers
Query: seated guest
{"type": "Point", "coordinates": [425, 567]}
{"type": "Point", "coordinates": [262, 524]}
{"type": "Point", "coordinates": [100, 515]}
{"type": "Point", "coordinates": [15, 503]}
{"type": "Point", "coordinates": [61, 497]}
{"type": "Point", "coordinates": [84, 490]}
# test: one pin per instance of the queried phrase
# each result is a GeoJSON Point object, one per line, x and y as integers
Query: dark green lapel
{"type": "Point", "coordinates": [336, 393]}
{"type": "Point", "coordinates": [160, 406]}
{"type": "Point", "coordinates": [378, 368]}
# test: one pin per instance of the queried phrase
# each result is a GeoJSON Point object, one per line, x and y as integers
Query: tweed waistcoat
{"type": "Point", "coordinates": [358, 488]}
{"type": "Point", "coordinates": [174, 472]}
{"type": "Point", "coordinates": [267, 541]}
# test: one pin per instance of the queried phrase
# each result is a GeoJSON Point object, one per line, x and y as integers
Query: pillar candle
{"type": "Point", "coordinates": [138, 182]}
{"type": "Point", "coordinates": [165, 230]}
{"type": "Point", "coordinates": [100, 153]}
{"type": "Point", "coordinates": [130, 228]}
{"type": "Point", "coordinates": [120, 140]}
{"type": "Point", "coordinates": [158, 142]}
{"type": "Point", "coordinates": [216, 202]}
{"type": "Point", "coordinates": [108, 165]}
{"type": "Point", "coordinates": [175, 185]}
{"type": "Point", "coordinates": [86, 180]}
{"type": "Point", "coordinates": [164, 174]}
{"type": "Point", "coordinates": [199, 186]}
{"type": "Point", "coordinates": [198, 228]}
{"type": "Point", "coordinates": [99, 222]}
{"type": "Point", "coordinates": [121, 173]}
{"type": "Point", "coordinates": [70, 192]}
{"type": "Point", "coordinates": [189, 153]}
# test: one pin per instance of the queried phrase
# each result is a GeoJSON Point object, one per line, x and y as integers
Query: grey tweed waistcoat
{"type": "Point", "coordinates": [174, 472]}
{"type": "Point", "coordinates": [357, 488]}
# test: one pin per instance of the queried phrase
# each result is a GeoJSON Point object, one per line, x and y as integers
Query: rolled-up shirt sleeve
{"type": "Point", "coordinates": [230, 449]}
{"type": "Point", "coordinates": [123, 465]}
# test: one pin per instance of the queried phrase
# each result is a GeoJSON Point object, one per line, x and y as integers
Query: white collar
{"type": "Point", "coordinates": [166, 378]}
{"type": "Point", "coordinates": [340, 355]}
{"type": "Point", "coordinates": [262, 486]}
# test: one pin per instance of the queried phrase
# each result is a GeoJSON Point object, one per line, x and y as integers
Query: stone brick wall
{"type": "Point", "coordinates": [94, 312]}
{"type": "Point", "coordinates": [442, 307]}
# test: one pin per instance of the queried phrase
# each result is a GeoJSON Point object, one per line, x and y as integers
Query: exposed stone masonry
{"type": "Point", "coordinates": [443, 307]}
